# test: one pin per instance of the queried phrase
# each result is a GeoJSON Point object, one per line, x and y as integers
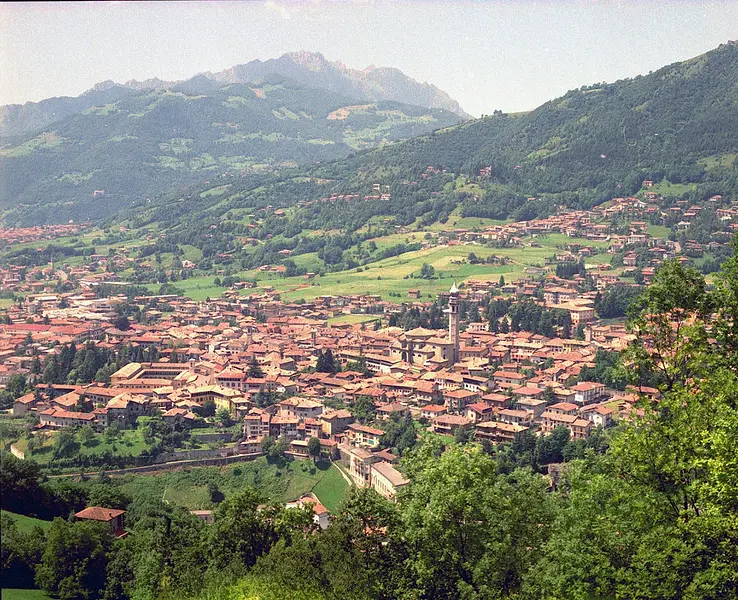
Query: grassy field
{"type": "Point", "coordinates": [24, 523]}
{"type": "Point", "coordinates": [16, 594]}
{"type": "Point", "coordinates": [666, 188]}
{"type": "Point", "coordinates": [277, 483]}
{"type": "Point", "coordinates": [398, 274]}
{"type": "Point", "coordinates": [197, 288]}
{"type": "Point", "coordinates": [352, 319]}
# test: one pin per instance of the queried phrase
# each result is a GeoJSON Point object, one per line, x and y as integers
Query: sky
{"type": "Point", "coordinates": [506, 55]}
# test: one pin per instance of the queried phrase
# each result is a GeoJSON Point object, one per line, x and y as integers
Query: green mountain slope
{"type": "Point", "coordinates": [148, 141]}
{"type": "Point", "coordinates": [679, 123]}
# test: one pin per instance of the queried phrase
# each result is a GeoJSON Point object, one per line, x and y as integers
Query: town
{"type": "Point", "coordinates": [298, 372]}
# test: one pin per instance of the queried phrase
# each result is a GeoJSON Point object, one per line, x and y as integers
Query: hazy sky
{"type": "Point", "coordinates": [487, 55]}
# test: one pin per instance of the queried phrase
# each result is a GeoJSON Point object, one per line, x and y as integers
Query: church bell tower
{"type": "Point", "coordinates": [453, 322]}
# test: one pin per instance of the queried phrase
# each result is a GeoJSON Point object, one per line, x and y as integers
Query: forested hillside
{"type": "Point", "coordinates": [134, 144]}
{"type": "Point", "coordinates": [678, 124]}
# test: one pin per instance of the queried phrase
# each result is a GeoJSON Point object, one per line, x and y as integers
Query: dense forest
{"type": "Point", "coordinates": [646, 510]}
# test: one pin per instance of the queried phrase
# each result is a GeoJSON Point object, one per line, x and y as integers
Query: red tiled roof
{"type": "Point", "coordinates": [98, 513]}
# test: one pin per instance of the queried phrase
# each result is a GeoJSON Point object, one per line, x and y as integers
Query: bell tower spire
{"type": "Point", "coordinates": [453, 322]}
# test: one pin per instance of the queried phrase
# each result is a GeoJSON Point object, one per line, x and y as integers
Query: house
{"type": "Point", "coordinates": [112, 516]}
{"type": "Point", "coordinates": [386, 411]}
{"type": "Point", "coordinates": [358, 462]}
{"type": "Point", "coordinates": [179, 416]}
{"type": "Point", "coordinates": [432, 411]}
{"type": "Point", "coordinates": [387, 480]}
{"type": "Point", "coordinates": [497, 432]}
{"type": "Point", "coordinates": [335, 421]}
{"type": "Point", "coordinates": [457, 400]}
{"type": "Point", "coordinates": [448, 424]}
{"type": "Point", "coordinates": [479, 412]}
{"type": "Point", "coordinates": [515, 417]}
{"type": "Point", "coordinates": [601, 416]}
{"type": "Point", "coordinates": [321, 515]}
{"type": "Point", "coordinates": [57, 418]}
{"type": "Point", "coordinates": [578, 427]}
{"type": "Point", "coordinates": [300, 408]}
{"type": "Point", "coordinates": [363, 436]}
{"type": "Point", "coordinates": [587, 392]}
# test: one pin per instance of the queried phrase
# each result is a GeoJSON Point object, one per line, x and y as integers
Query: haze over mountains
{"type": "Point", "coordinates": [678, 124]}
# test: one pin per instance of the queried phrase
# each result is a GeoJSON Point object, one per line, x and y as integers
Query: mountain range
{"type": "Point", "coordinates": [90, 156]}
{"type": "Point", "coordinates": [678, 124]}
{"type": "Point", "coordinates": [307, 68]}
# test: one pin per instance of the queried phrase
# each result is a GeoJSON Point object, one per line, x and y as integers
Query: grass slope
{"type": "Point", "coordinates": [26, 524]}
{"type": "Point", "coordinates": [277, 483]}
{"type": "Point", "coordinates": [18, 594]}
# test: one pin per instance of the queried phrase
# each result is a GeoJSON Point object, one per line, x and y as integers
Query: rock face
{"type": "Point", "coordinates": [372, 83]}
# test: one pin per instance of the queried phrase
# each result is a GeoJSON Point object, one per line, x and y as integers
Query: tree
{"type": "Point", "coordinates": [111, 432]}
{"type": "Point", "coordinates": [255, 369]}
{"type": "Point", "coordinates": [223, 417]}
{"type": "Point", "coordinates": [239, 534]}
{"type": "Point", "coordinates": [65, 444]}
{"type": "Point", "coordinates": [326, 362]}
{"type": "Point", "coordinates": [470, 532]}
{"type": "Point", "coordinates": [664, 496]}
{"type": "Point", "coordinates": [19, 481]}
{"type": "Point", "coordinates": [427, 271]}
{"type": "Point", "coordinates": [208, 408]}
{"type": "Point", "coordinates": [501, 282]}
{"type": "Point", "coordinates": [314, 448]}
{"type": "Point", "coordinates": [364, 409]}
{"type": "Point", "coordinates": [20, 552]}
{"type": "Point", "coordinates": [74, 560]}
{"type": "Point", "coordinates": [86, 435]}
{"type": "Point", "coordinates": [122, 323]}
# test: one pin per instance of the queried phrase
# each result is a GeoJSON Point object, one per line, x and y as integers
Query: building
{"type": "Point", "coordinates": [387, 480]}
{"type": "Point", "coordinates": [363, 436]}
{"type": "Point", "coordinates": [112, 516]}
{"type": "Point", "coordinates": [453, 322]}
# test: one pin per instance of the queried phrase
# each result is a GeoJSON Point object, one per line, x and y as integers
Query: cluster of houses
{"type": "Point", "coordinates": [495, 386]}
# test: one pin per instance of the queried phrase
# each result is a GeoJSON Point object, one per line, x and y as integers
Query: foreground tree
{"type": "Point", "coordinates": [471, 533]}
{"type": "Point", "coordinates": [657, 516]}
{"type": "Point", "coordinates": [74, 560]}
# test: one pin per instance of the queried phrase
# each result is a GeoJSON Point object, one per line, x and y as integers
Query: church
{"type": "Point", "coordinates": [425, 347]}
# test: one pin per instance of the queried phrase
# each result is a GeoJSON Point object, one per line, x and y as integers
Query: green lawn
{"type": "Point", "coordinates": [129, 442]}
{"type": "Point", "coordinates": [197, 288]}
{"type": "Point", "coordinates": [277, 483]}
{"type": "Point", "coordinates": [392, 276]}
{"type": "Point", "coordinates": [331, 488]}
{"type": "Point", "coordinates": [16, 594]}
{"type": "Point", "coordinates": [24, 523]}
{"type": "Point", "coordinates": [666, 188]}
{"type": "Point", "coordinates": [659, 231]}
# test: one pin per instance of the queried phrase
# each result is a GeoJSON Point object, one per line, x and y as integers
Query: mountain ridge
{"type": "Point", "coordinates": [131, 144]}
{"type": "Point", "coordinates": [366, 84]}
{"type": "Point", "coordinates": [678, 123]}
